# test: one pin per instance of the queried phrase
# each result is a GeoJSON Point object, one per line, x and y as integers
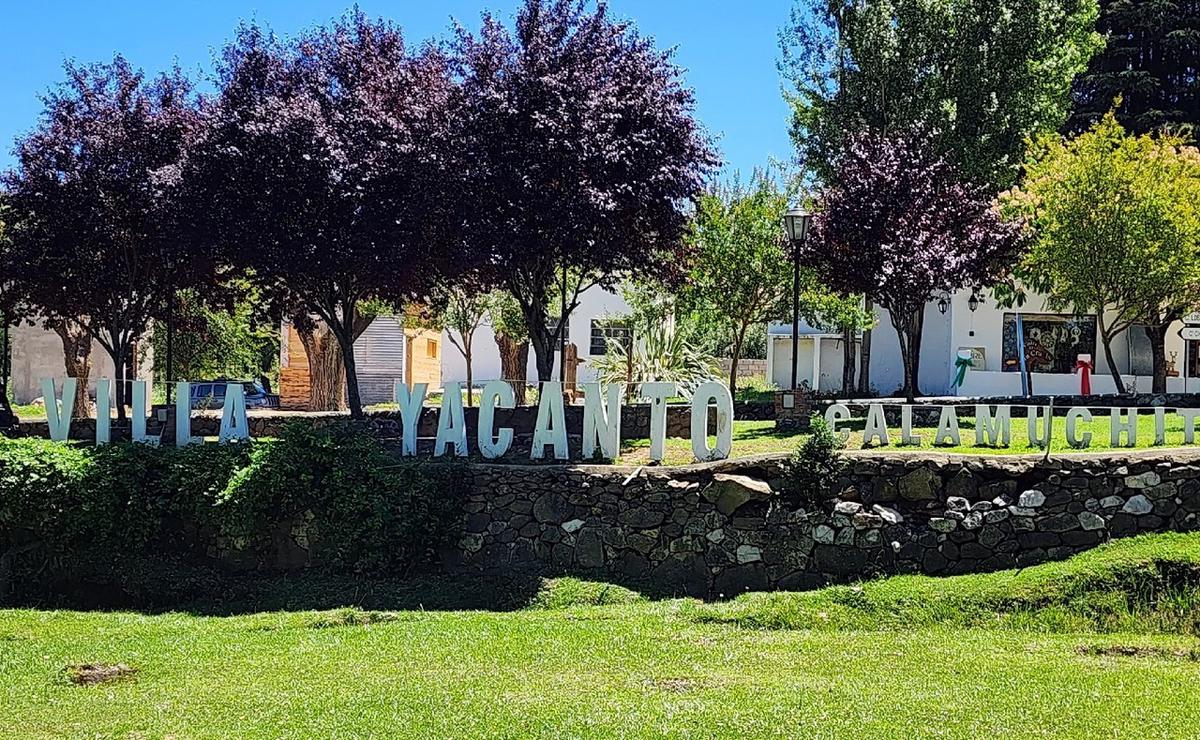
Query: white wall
{"type": "Point", "coordinates": [984, 327]}
{"type": "Point", "coordinates": [594, 303]}
{"type": "Point", "coordinates": [38, 353]}
{"type": "Point", "coordinates": [943, 335]}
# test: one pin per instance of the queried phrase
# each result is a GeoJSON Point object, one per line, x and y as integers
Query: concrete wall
{"type": "Point", "coordinates": [747, 368]}
{"type": "Point", "coordinates": [38, 353]}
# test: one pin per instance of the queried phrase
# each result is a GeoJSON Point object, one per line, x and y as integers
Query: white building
{"type": "Point", "coordinates": [37, 354]}
{"type": "Point", "coordinates": [1053, 341]}
{"type": "Point", "coordinates": [598, 309]}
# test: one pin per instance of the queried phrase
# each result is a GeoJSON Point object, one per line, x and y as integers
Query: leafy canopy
{"type": "Point", "coordinates": [578, 145]}
{"type": "Point", "coordinates": [741, 270]}
{"type": "Point", "coordinates": [902, 225]}
{"type": "Point", "coordinates": [321, 168]}
{"type": "Point", "coordinates": [1117, 220]}
{"type": "Point", "coordinates": [1151, 61]}
{"type": "Point", "coordinates": [92, 201]}
{"type": "Point", "coordinates": [983, 75]}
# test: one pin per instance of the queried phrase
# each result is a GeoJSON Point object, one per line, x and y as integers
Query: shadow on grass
{"type": "Point", "coordinates": [155, 588]}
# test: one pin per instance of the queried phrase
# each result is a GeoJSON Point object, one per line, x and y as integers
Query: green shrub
{"type": "Point", "coordinates": [140, 519]}
{"type": "Point", "coordinates": [70, 512]}
{"type": "Point", "coordinates": [756, 388]}
{"type": "Point", "coordinates": [814, 468]}
{"type": "Point", "coordinates": [362, 509]}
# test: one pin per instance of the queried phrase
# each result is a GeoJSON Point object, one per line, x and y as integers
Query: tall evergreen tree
{"type": "Point", "coordinates": [1151, 61]}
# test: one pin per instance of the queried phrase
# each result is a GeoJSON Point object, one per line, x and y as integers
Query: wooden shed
{"type": "Point", "coordinates": [384, 353]}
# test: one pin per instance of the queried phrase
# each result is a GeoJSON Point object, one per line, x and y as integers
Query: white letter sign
{"type": "Point", "coordinates": [706, 393]}
{"type": "Point", "coordinates": [602, 420]}
{"type": "Point", "coordinates": [496, 394]}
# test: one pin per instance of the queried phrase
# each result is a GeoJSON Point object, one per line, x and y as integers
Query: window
{"type": "Point", "coordinates": [606, 332]}
{"type": "Point", "coordinates": [1052, 341]}
{"type": "Point", "coordinates": [431, 348]}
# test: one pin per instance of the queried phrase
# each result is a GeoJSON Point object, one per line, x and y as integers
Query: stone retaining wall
{"type": "Point", "coordinates": [722, 528]}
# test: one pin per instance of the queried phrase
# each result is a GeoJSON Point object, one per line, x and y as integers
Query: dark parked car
{"type": "Point", "coordinates": [210, 394]}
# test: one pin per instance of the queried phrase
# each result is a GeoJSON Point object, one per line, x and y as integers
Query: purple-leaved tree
{"type": "Point", "coordinates": [900, 225]}
{"type": "Point", "coordinates": [91, 209]}
{"type": "Point", "coordinates": [579, 147]}
{"type": "Point", "coordinates": [323, 170]}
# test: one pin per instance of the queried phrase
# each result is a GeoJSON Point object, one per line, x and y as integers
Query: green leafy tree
{"type": "Point", "coordinates": [461, 311]}
{"type": "Point", "coordinates": [985, 75]}
{"type": "Point", "coordinates": [741, 272]}
{"type": "Point", "coordinates": [209, 341]}
{"type": "Point", "coordinates": [1151, 60]}
{"type": "Point", "coordinates": [1117, 220]}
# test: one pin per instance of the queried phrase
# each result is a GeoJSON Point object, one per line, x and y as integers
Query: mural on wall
{"type": "Point", "coordinates": [1053, 342]}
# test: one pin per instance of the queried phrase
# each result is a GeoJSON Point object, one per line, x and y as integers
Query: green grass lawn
{"type": "Point", "coordinates": [29, 412]}
{"type": "Point", "coordinates": [760, 437]}
{"type": "Point", "coordinates": [1026, 654]}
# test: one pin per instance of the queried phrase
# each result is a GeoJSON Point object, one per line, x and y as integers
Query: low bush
{"type": "Point", "coordinates": [143, 519]}
{"type": "Point", "coordinates": [361, 509]}
{"type": "Point", "coordinates": [564, 593]}
{"type": "Point", "coordinates": [813, 469]}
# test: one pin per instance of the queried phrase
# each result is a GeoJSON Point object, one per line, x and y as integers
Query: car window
{"type": "Point", "coordinates": [201, 390]}
{"type": "Point", "coordinates": [218, 390]}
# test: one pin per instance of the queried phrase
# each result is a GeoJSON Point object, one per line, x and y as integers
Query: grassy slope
{"type": "Point", "coordinates": [1143, 584]}
{"type": "Point", "coordinates": [629, 668]}
{"type": "Point", "coordinates": [760, 437]}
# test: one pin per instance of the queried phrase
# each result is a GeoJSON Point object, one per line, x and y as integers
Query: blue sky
{"type": "Point", "coordinates": [728, 49]}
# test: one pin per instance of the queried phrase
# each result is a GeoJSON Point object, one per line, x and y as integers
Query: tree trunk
{"type": "Point", "coordinates": [848, 362]}
{"type": "Point", "coordinates": [131, 373]}
{"type": "Point", "coordinates": [908, 331]}
{"type": "Point", "coordinates": [77, 357]}
{"type": "Point", "coordinates": [326, 373]}
{"type": "Point", "coordinates": [543, 351]}
{"type": "Point", "coordinates": [864, 359]}
{"type": "Point", "coordinates": [514, 359]}
{"type": "Point", "coordinates": [470, 374]}
{"type": "Point", "coordinates": [1158, 347]}
{"type": "Point", "coordinates": [118, 355]}
{"type": "Point", "coordinates": [1106, 340]}
{"type": "Point", "coordinates": [735, 356]}
{"type": "Point", "coordinates": [353, 397]}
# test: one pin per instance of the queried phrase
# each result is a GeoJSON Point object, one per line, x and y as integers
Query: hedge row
{"type": "Point", "coordinates": [74, 516]}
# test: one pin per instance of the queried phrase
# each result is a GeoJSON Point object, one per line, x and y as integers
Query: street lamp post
{"type": "Point", "coordinates": [797, 222]}
{"type": "Point", "coordinates": [170, 343]}
{"type": "Point", "coordinates": [7, 418]}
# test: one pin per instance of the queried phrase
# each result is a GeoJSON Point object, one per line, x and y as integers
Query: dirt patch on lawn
{"type": "Point", "coordinates": [1139, 651]}
{"type": "Point", "coordinates": [351, 617]}
{"type": "Point", "coordinates": [94, 674]}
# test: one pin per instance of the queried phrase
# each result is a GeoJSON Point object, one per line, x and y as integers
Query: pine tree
{"type": "Point", "coordinates": [1151, 61]}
